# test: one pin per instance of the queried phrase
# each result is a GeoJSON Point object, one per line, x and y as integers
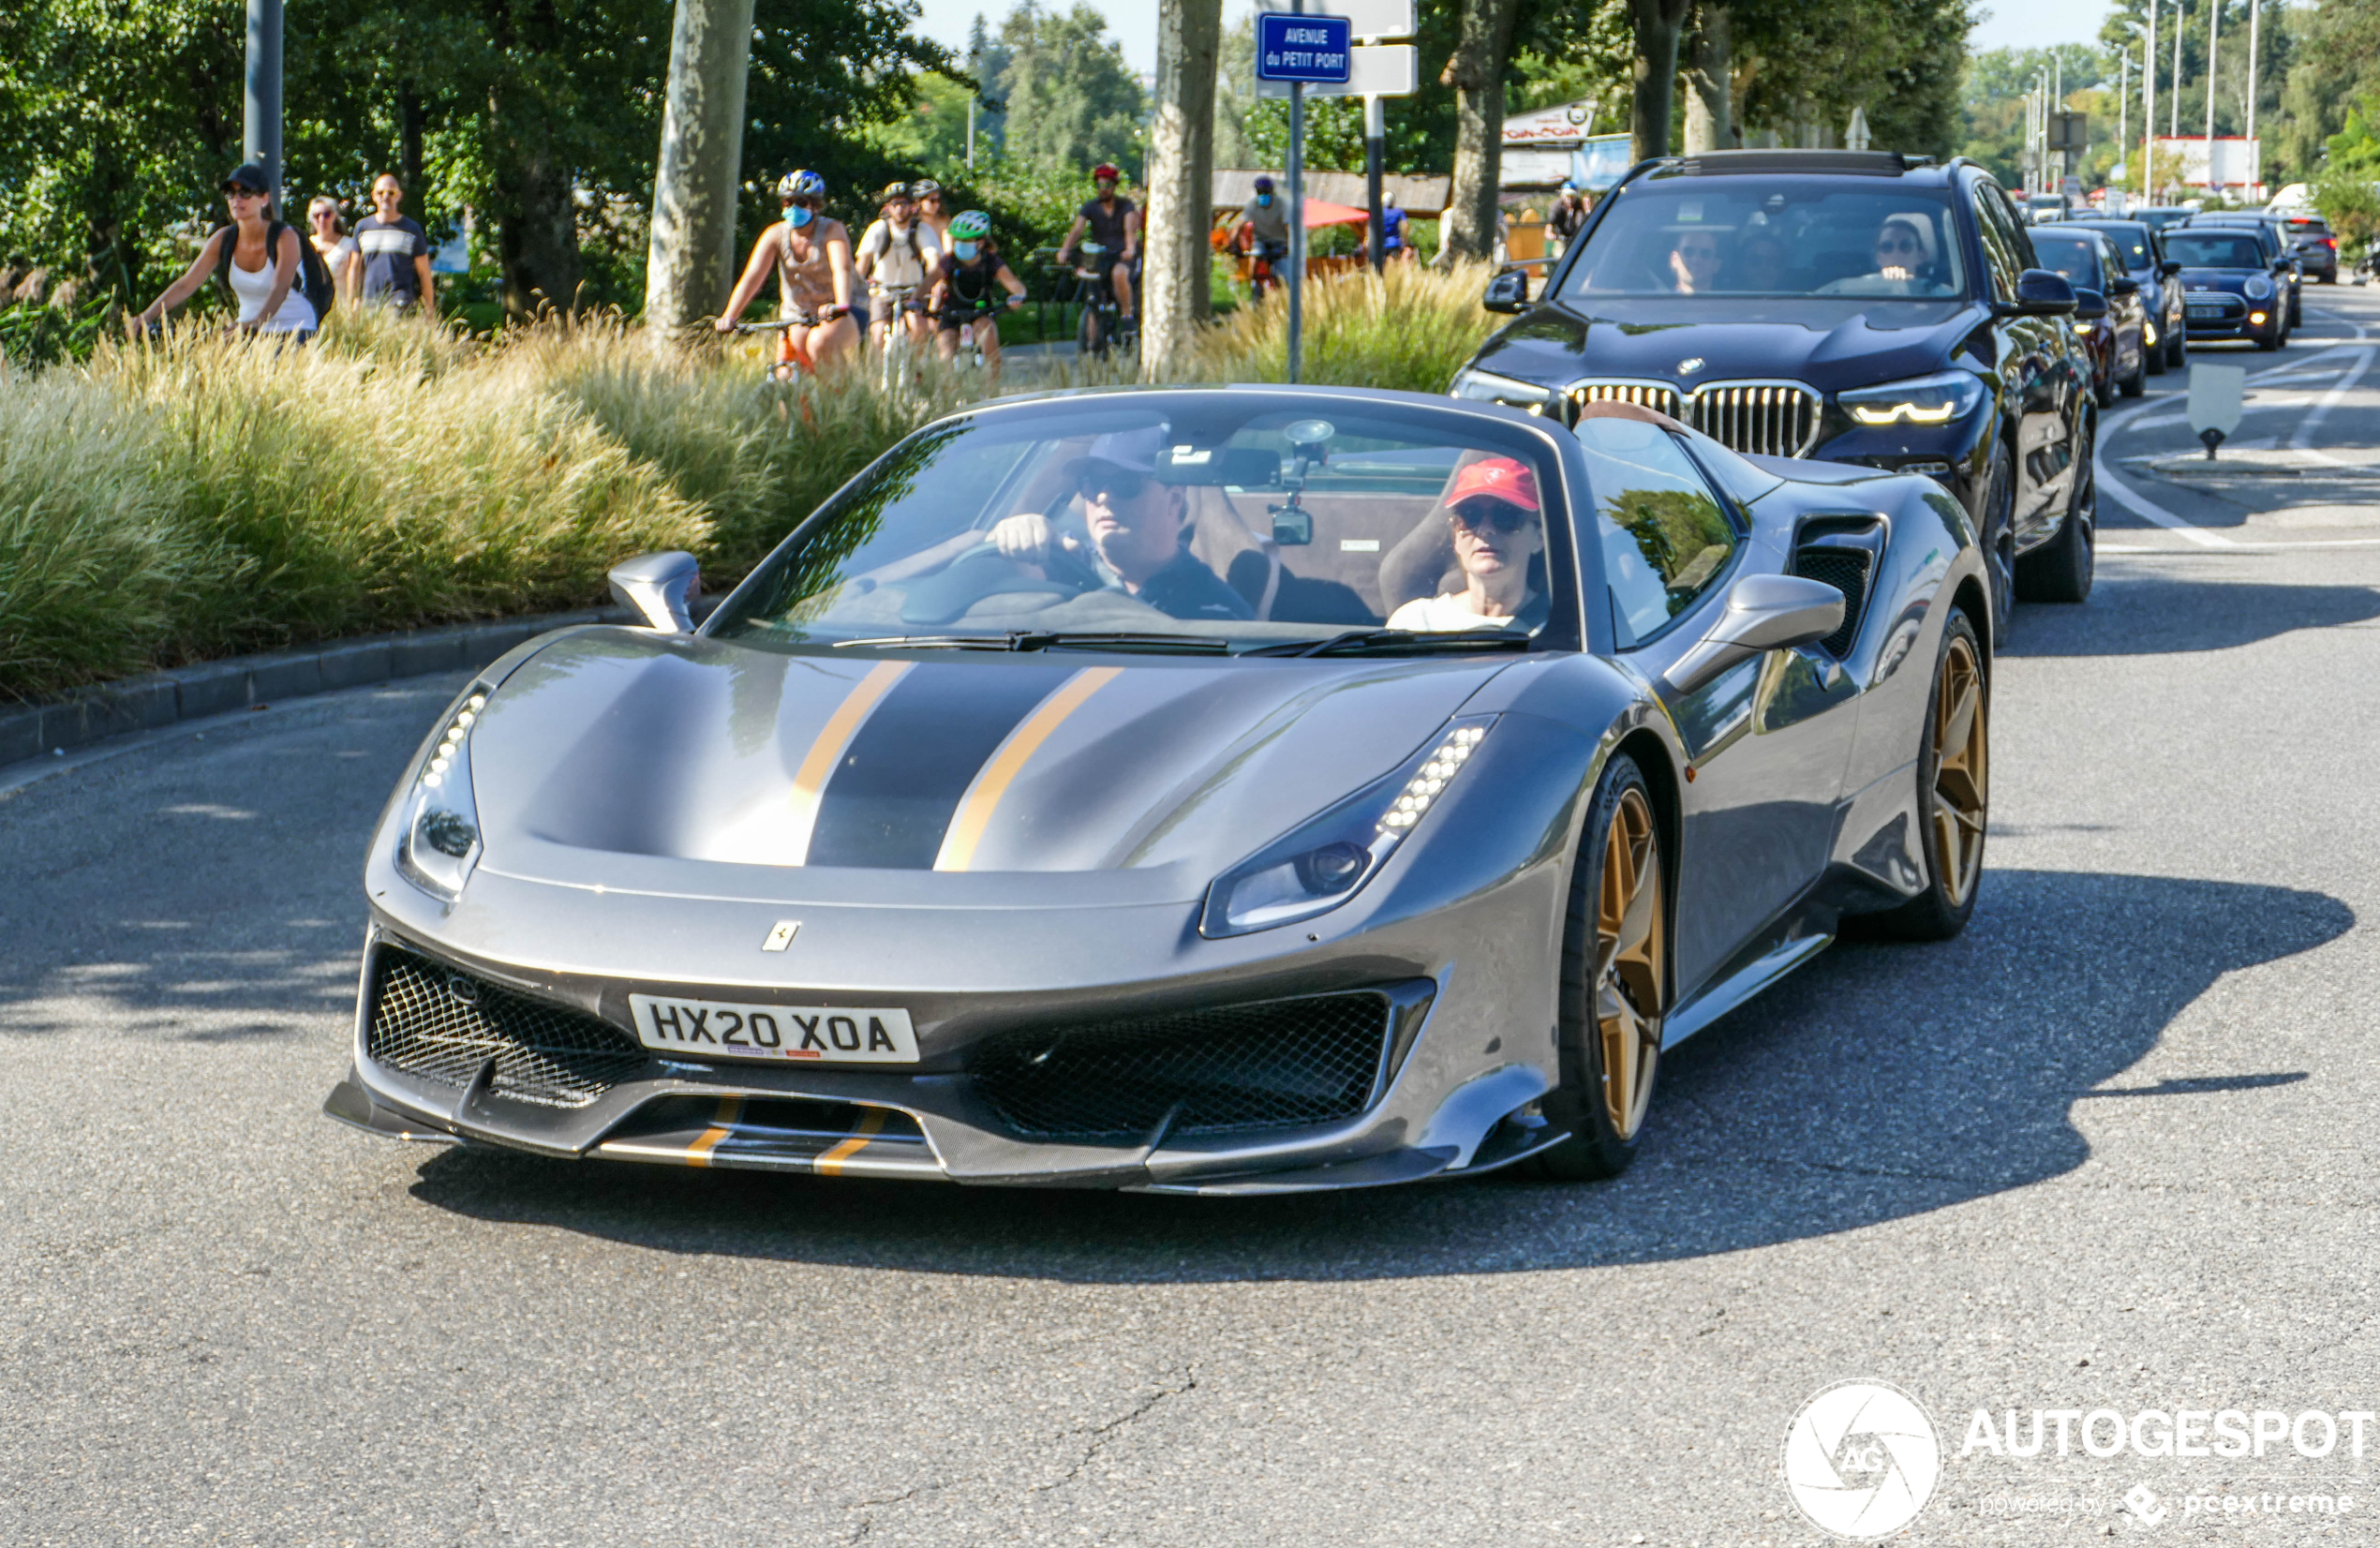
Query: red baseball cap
{"type": "Point", "coordinates": [1501, 477]}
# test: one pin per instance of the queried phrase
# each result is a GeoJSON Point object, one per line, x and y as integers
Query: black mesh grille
{"type": "Point", "coordinates": [1305, 1061]}
{"type": "Point", "coordinates": [1846, 570]}
{"type": "Point", "coordinates": [431, 1021]}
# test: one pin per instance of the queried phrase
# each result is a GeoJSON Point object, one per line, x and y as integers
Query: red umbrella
{"type": "Point", "coordinates": [1321, 212]}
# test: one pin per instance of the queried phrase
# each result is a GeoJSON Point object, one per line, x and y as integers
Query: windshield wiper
{"type": "Point", "coordinates": [1360, 642]}
{"type": "Point", "coordinates": [1064, 640]}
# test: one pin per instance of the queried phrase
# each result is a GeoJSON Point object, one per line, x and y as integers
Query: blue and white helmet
{"type": "Point", "coordinates": [802, 184]}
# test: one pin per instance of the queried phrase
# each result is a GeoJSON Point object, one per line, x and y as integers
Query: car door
{"type": "Point", "coordinates": [2037, 367]}
{"type": "Point", "coordinates": [1768, 740]}
{"type": "Point", "coordinates": [2125, 313]}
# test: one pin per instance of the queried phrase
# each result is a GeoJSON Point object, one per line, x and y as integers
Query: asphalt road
{"type": "Point", "coordinates": [2113, 1148]}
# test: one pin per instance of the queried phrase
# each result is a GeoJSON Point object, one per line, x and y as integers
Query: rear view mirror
{"type": "Point", "coordinates": [1763, 613]}
{"type": "Point", "coordinates": [2123, 285]}
{"type": "Point", "coordinates": [1235, 467]}
{"type": "Point", "coordinates": [2090, 305]}
{"type": "Point", "coordinates": [2169, 268]}
{"type": "Point", "coordinates": [659, 587]}
{"type": "Point", "coordinates": [2041, 292]}
{"type": "Point", "coordinates": [1508, 292]}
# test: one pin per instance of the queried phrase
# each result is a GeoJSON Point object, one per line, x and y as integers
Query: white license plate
{"type": "Point", "coordinates": [720, 1029]}
{"type": "Point", "coordinates": [2205, 311]}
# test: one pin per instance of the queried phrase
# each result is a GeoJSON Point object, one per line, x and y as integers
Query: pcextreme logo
{"type": "Point", "coordinates": [1862, 1459]}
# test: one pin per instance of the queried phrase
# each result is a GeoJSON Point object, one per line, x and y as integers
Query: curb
{"type": "Point", "coordinates": [161, 699]}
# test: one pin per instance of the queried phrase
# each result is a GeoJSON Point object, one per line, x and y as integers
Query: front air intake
{"type": "Point", "coordinates": [437, 1023]}
{"type": "Point", "coordinates": [1842, 551]}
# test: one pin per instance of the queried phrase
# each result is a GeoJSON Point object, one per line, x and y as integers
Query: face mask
{"type": "Point", "coordinates": [966, 251]}
{"type": "Point", "coordinates": [800, 216]}
{"type": "Point", "coordinates": [1265, 200]}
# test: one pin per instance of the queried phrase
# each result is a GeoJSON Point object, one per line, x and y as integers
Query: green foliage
{"type": "Point", "coordinates": [1408, 329]}
{"type": "Point", "coordinates": [35, 332]}
{"type": "Point", "coordinates": [1071, 100]}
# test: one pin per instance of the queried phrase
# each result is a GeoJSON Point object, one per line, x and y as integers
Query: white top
{"type": "Point", "coordinates": [1442, 615]}
{"type": "Point", "coordinates": [894, 264]}
{"type": "Point", "coordinates": [342, 253]}
{"type": "Point", "coordinates": [296, 315]}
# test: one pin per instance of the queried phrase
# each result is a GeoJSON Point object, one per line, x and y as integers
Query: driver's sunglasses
{"type": "Point", "coordinates": [1698, 254]}
{"type": "Point", "coordinates": [1501, 515]}
{"type": "Point", "coordinates": [1116, 485]}
{"type": "Point", "coordinates": [1898, 245]}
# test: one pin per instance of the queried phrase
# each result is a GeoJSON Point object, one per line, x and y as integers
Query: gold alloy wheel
{"type": "Point", "coordinates": [1629, 963]}
{"type": "Point", "coordinates": [1961, 770]}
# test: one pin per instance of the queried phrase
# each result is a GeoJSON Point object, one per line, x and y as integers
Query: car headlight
{"type": "Point", "coordinates": [2259, 287]}
{"type": "Point", "coordinates": [1324, 862]}
{"type": "Point", "coordinates": [2147, 335]}
{"type": "Point", "coordinates": [1936, 399]}
{"type": "Point", "coordinates": [440, 842]}
{"type": "Point", "coordinates": [2085, 328]}
{"type": "Point", "coordinates": [1487, 387]}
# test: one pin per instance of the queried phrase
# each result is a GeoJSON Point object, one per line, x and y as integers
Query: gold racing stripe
{"type": "Point", "coordinates": [831, 1164]}
{"type": "Point", "coordinates": [810, 779]}
{"type": "Point", "coordinates": [983, 798]}
{"type": "Point", "coordinates": [722, 1123]}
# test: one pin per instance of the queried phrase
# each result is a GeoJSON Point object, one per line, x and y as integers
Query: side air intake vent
{"type": "Point", "coordinates": [1842, 552]}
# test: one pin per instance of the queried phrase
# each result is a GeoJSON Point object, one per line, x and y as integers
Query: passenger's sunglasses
{"type": "Point", "coordinates": [1501, 515]}
{"type": "Point", "coordinates": [1112, 485]}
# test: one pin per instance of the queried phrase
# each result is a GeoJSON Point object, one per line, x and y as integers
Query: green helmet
{"type": "Point", "coordinates": [970, 226]}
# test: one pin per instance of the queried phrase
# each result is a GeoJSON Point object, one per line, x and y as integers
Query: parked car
{"type": "Point", "coordinates": [981, 835]}
{"type": "Point", "coordinates": [2117, 337]}
{"type": "Point", "coordinates": [2232, 285]}
{"type": "Point", "coordinates": [2163, 330]}
{"type": "Point", "coordinates": [1752, 295]}
{"type": "Point", "coordinates": [2274, 235]}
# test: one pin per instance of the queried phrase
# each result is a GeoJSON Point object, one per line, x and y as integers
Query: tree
{"type": "Point", "coordinates": [1181, 183]}
{"type": "Point", "coordinates": [1658, 23]}
{"type": "Point", "coordinates": [1482, 52]}
{"type": "Point", "coordinates": [691, 263]}
{"type": "Point", "coordinates": [1072, 101]}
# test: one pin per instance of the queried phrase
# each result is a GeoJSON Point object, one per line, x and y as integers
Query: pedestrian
{"type": "Point", "coordinates": [1568, 214]}
{"type": "Point", "coordinates": [1397, 239]}
{"type": "Point", "coordinates": [327, 230]}
{"type": "Point", "coordinates": [263, 264]}
{"type": "Point", "coordinates": [395, 254]}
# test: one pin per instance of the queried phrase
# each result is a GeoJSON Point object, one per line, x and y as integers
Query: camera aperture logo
{"type": "Point", "coordinates": [1862, 1459]}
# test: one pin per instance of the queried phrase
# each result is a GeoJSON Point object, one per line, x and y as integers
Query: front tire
{"type": "Point", "coordinates": [1996, 533]}
{"type": "Point", "coordinates": [2178, 347]}
{"type": "Point", "coordinates": [1954, 791]}
{"type": "Point", "coordinates": [2136, 383]}
{"type": "Point", "coordinates": [1615, 985]}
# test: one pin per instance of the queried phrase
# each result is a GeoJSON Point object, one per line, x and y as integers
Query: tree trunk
{"type": "Point", "coordinates": [1482, 49]}
{"type": "Point", "coordinates": [1181, 185]}
{"type": "Point", "coordinates": [536, 228]}
{"type": "Point", "coordinates": [691, 254]}
{"type": "Point", "coordinates": [409, 147]}
{"type": "Point", "coordinates": [1710, 123]}
{"type": "Point", "coordinates": [1656, 22]}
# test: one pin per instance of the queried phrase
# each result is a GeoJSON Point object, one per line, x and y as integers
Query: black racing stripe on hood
{"type": "Point", "coordinates": [890, 799]}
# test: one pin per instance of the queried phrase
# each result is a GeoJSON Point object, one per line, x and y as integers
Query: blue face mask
{"type": "Point", "coordinates": [799, 216]}
{"type": "Point", "coordinates": [966, 251]}
{"type": "Point", "coordinates": [1265, 200]}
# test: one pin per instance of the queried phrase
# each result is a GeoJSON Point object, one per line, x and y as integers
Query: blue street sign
{"type": "Point", "coordinates": [1313, 49]}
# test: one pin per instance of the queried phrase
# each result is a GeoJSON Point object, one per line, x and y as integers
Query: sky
{"type": "Point", "coordinates": [2012, 23]}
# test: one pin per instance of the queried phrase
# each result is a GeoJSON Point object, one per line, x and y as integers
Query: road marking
{"type": "Point", "coordinates": [2140, 504]}
{"type": "Point", "coordinates": [2329, 400]}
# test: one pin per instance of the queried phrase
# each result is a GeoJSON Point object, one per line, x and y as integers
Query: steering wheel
{"type": "Point", "coordinates": [986, 572]}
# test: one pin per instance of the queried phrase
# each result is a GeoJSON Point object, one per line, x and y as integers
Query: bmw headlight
{"type": "Point", "coordinates": [2258, 287]}
{"type": "Point", "coordinates": [441, 840]}
{"type": "Point", "coordinates": [1323, 863]}
{"type": "Point", "coordinates": [1936, 399]}
{"type": "Point", "coordinates": [1487, 387]}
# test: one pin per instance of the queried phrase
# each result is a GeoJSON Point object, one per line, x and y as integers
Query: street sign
{"type": "Point", "coordinates": [1310, 50]}
{"type": "Point", "coordinates": [2069, 131]}
{"type": "Point", "coordinates": [1365, 18]}
{"type": "Point", "coordinates": [1373, 69]}
{"type": "Point", "coordinates": [2215, 394]}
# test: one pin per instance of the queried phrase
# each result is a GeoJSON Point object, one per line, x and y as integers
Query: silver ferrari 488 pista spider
{"type": "Point", "coordinates": [1231, 790]}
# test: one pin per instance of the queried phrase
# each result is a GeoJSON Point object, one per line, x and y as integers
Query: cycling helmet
{"type": "Point", "coordinates": [802, 184]}
{"type": "Point", "coordinates": [970, 226]}
{"type": "Point", "coordinates": [924, 186]}
{"type": "Point", "coordinates": [1106, 171]}
{"type": "Point", "coordinates": [892, 191]}
{"type": "Point", "coordinates": [1264, 185]}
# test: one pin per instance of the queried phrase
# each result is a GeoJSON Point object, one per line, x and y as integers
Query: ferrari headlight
{"type": "Point", "coordinates": [1323, 863]}
{"type": "Point", "coordinates": [441, 841]}
{"type": "Point", "coordinates": [1936, 399]}
{"type": "Point", "coordinates": [1487, 387]}
{"type": "Point", "coordinates": [2258, 287]}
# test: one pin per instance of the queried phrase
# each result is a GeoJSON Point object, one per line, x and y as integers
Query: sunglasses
{"type": "Point", "coordinates": [1698, 253]}
{"type": "Point", "coordinates": [1900, 245]}
{"type": "Point", "coordinates": [1111, 486]}
{"type": "Point", "coordinates": [1501, 514]}
{"type": "Point", "coordinates": [241, 190]}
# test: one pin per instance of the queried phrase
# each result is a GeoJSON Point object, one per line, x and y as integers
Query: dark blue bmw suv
{"type": "Point", "coordinates": [1855, 306]}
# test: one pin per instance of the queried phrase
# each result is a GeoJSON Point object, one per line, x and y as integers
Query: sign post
{"type": "Point", "coordinates": [261, 128]}
{"type": "Point", "coordinates": [1300, 49]}
{"type": "Point", "coordinates": [1373, 73]}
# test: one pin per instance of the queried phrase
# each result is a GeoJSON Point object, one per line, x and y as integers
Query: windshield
{"type": "Point", "coordinates": [2075, 257]}
{"type": "Point", "coordinates": [1186, 521]}
{"type": "Point", "coordinates": [2130, 241]}
{"type": "Point", "coordinates": [1772, 236]}
{"type": "Point", "coordinates": [2213, 250]}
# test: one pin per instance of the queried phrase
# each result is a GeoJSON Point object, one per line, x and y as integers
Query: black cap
{"type": "Point", "coordinates": [1134, 450]}
{"type": "Point", "coordinates": [250, 177]}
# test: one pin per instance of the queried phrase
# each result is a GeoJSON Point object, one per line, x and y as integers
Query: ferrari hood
{"type": "Point", "coordinates": [1832, 343]}
{"type": "Point", "coordinates": [620, 759]}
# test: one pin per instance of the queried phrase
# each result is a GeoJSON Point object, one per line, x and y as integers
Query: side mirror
{"type": "Point", "coordinates": [1508, 292]}
{"type": "Point", "coordinates": [2090, 305]}
{"type": "Point", "coordinates": [1763, 613]}
{"type": "Point", "coordinates": [2123, 285]}
{"type": "Point", "coordinates": [659, 587]}
{"type": "Point", "coordinates": [2041, 292]}
{"type": "Point", "coordinates": [2169, 268]}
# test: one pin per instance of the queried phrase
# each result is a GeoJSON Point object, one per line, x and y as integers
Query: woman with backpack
{"type": "Point", "coordinates": [272, 273]}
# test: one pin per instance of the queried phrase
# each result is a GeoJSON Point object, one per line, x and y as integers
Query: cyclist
{"type": "Point", "coordinates": [897, 251]}
{"type": "Point", "coordinates": [963, 284]}
{"type": "Point", "coordinates": [1114, 223]}
{"type": "Point", "coordinates": [1265, 220]}
{"type": "Point", "coordinates": [811, 252]}
{"type": "Point", "coordinates": [930, 215]}
{"type": "Point", "coordinates": [1395, 242]}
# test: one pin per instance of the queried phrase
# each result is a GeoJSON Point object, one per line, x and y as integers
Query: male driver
{"type": "Point", "coordinates": [1115, 225]}
{"type": "Point", "coordinates": [1138, 531]}
{"type": "Point", "coordinates": [1266, 220]}
{"type": "Point", "coordinates": [395, 266]}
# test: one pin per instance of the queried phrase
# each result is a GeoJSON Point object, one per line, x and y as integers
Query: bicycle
{"type": "Point", "coordinates": [899, 302]}
{"type": "Point", "coordinates": [968, 314]}
{"type": "Point", "coordinates": [793, 359]}
{"type": "Point", "coordinates": [1095, 288]}
{"type": "Point", "coordinates": [1262, 277]}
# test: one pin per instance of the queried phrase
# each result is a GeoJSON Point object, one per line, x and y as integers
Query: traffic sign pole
{"type": "Point", "coordinates": [1374, 131]}
{"type": "Point", "coordinates": [1296, 226]}
{"type": "Point", "coordinates": [1293, 49]}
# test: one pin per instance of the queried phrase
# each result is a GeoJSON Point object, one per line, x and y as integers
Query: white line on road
{"type": "Point", "coordinates": [2330, 399]}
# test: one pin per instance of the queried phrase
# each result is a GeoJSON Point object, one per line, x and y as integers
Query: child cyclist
{"type": "Point", "coordinates": [963, 283]}
{"type": "Point", "coordinates": [811, 252]}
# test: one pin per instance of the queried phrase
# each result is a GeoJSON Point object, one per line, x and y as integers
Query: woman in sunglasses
{"type": "Point", "coordinates": [1498, 531]}
{"type": "Point", "coordinates": [262, 268]}
{"type": "Point", "coordinates": [1903, 265]}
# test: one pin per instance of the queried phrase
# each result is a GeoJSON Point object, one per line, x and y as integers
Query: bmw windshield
{"type": "Point", "coordinates": [1773, 236]}
{"type": "Point", "coordinates": [1195, 521]}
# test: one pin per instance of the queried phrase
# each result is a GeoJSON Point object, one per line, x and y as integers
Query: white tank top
{"type": "Point", "coordinates": [253, 289]}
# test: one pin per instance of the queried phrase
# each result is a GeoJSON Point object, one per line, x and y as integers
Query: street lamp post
{"type": "Point", "coordinates": [2255, 156]}
{"type": "Point", "coordinates": [2149, 110]}
{"type": "Point", "coordinates": [260, 131]}
{"type": "Point", "coordinates": [2215, 33]}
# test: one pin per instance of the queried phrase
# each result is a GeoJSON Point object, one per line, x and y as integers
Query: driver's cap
{"type": "Point", "coordinates": [1134, 450]}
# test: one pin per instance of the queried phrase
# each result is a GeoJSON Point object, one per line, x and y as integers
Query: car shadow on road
{"type": "Point", "coordinates": [2156, 615]}
{"type": "Point", "coordinates": [1881, 1082]}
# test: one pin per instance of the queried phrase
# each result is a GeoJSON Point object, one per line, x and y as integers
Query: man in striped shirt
{"type": "Point", "coordinates": [394, 267]}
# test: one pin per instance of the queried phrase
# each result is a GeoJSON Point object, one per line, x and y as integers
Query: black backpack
{"type": "Point", "coordinates": [313, 277]}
